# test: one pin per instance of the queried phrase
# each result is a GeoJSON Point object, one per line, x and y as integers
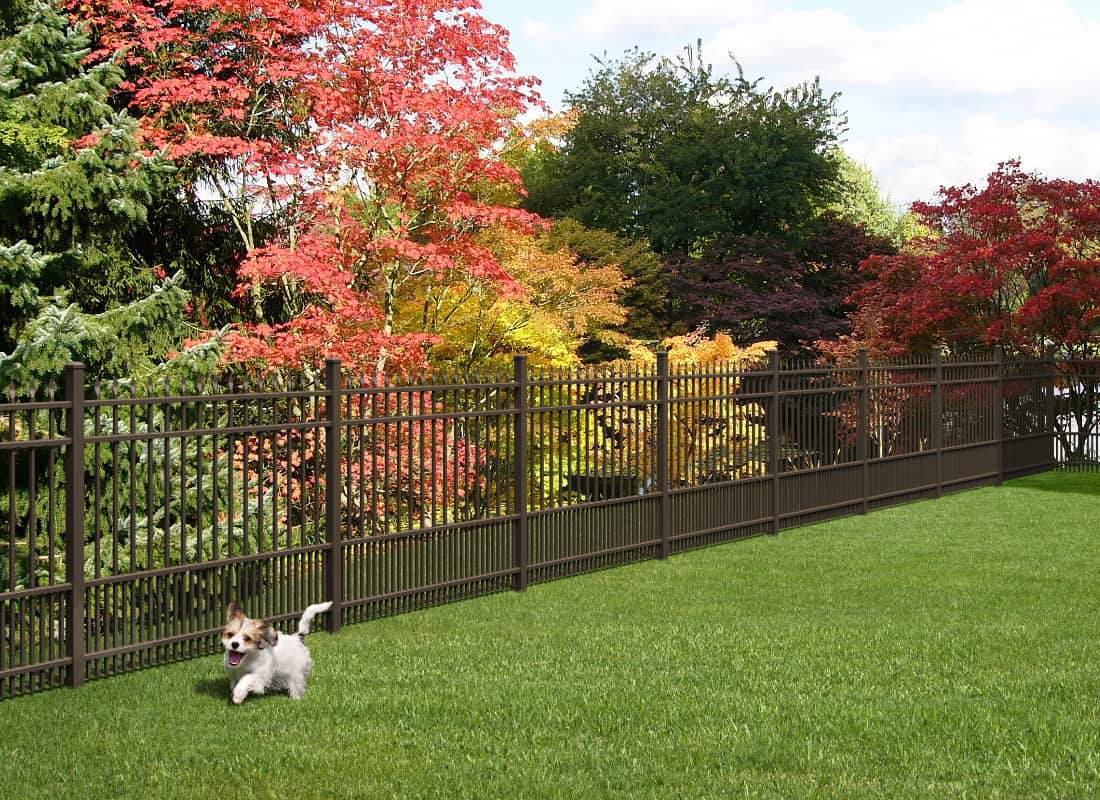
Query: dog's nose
{"type": "Point", "coordinates": [234, 645]}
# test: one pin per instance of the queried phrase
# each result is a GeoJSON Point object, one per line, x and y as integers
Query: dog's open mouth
{"type": "Point", "coordinates": [234, 657]}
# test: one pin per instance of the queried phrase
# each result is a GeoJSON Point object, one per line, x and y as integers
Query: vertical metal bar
{"type": "Point", "coordinates": [51, 515]}
{"type": "Point", "coordinates": [773, 439]}
{"type": "Point", "coordinates": [998, 411]}
{"type": "Point", "coordinates": [1051, 380]}
{"type": "Point", "coordinates": [12, 524]}
{"type": "Point", "coordinates": [333, 589]}
{"type": "Point", "coordinates": [519, 480]}
{"type": "Point", "coordinates": [937, 417]}
{"type": "Point", "coordinates": [74, 523]}
{"type": "Point", "coordinates": [664, 517]}
{"type": "Point", "coordinates": [863, 429]}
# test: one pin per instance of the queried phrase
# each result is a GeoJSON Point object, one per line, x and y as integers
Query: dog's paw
{"type": "Point", "coordinates": [239, 695]}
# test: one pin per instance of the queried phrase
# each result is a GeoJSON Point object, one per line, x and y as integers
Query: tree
{"type": "Point", "coordinates": [665, 150]}
{"type": "Point", "coordinates": [560, 300]}
{"type": "Point", "coordinates": [74, 189]}
{"type": "Point", "coordinates": [1015, 263]}
{"type": "Point", "coordinates": [760, 289]}
{"type": "Point", "coordinates": [644, 295]}
{"type": "Point", "coordinates": [860, 201]}
{"type": "Point", "coordinates": [359, 132]}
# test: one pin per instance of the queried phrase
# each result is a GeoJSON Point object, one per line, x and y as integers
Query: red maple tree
{"type": "Point", "coordinates": [362, 132]}
{"type": "Point", "coordinates": [1015, 263]}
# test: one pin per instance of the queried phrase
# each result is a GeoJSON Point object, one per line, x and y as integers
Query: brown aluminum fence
{"type": "Point", "coordinates": [137, 512]}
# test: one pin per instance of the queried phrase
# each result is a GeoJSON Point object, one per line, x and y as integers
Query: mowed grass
{"type": "Point", "coordinates": [940, 649]}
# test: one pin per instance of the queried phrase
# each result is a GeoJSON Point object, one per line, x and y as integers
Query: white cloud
{"type": "Point", "coordinates": [937, 101]}
{"type": "Point", "coordinates": [614, 19]}
{"type": "Point", "coordinates": [1044, 51]}
{"type": "Point", "coordinates": [537, 29]}
{"type": "Point", "coordinates": [913, 166]}
{"type": "Point", "coordinates": [943, 100]}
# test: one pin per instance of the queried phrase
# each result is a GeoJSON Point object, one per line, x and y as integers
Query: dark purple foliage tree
{"type": "Point", "coordinates": [758, 289]}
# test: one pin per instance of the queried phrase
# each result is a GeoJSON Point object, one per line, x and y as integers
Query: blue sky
{"type": "Point", "coordinates": [937, 93]}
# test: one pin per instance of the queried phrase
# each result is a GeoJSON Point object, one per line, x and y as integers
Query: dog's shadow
{"type": "Point", "coordinates": [218, 688]}
{"type": "Point", "coordinates": [213, 687]}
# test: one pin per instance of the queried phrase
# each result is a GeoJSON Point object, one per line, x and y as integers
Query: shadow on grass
{"type": "Point", "coordinates": [217, 688]}
{"type": "Point", "coordinates": [1062, 482]}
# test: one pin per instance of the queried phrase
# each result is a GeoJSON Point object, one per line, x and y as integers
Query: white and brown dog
{"type": "Point", "coordinates": [260, 659]}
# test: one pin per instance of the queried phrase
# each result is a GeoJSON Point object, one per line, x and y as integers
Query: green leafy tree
{"type": "Point", "coordinates": [666, 150]}
{"type": "Point", "coordinates": [75, 190]}
{"type": "Point", "coordinates": [860, 200]}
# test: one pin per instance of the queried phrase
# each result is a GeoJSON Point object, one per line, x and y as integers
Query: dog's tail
{"type": "Point", "coordinates": [308, 615]}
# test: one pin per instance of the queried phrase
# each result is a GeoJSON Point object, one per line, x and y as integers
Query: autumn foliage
{"type": "Point", "coordinates": [557, 299]}
{"type": "Point", "coordinates": [358, 131]}
{"type": "Point", "coordinates": [1015, 263]}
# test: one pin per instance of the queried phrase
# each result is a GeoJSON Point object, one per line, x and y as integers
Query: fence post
{"type": "Point", "coordinates": [74, 523]}
{"type": "Point", "coordinates": [998, 411]}
{"type": "Point", "coordinates": [1048, 401]}
{"type": "Point", "coordinates": [937, 417]}
{"type": "Point", "coordinates": [863, 424]}
{"type": "Point", "coordinates": [664, 519]}
{"type": "Point", "coordinates": [520, 555]}
{"type": "Point", "coordinates": [773, 439]}
{"type": "Point", "coordinates": [334, 561]}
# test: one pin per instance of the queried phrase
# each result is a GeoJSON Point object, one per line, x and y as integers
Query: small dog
{"type": "Point", "coordinates": [259, 659]}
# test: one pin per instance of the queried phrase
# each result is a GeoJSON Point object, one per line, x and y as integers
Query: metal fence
{"type": "Point", "coordinates": [136, 513]}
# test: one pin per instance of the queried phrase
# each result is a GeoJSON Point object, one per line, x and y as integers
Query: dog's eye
{"type": "Point", "coordinates": [247, 638]}
{"type": "Point", "coordinates": [226, 635]}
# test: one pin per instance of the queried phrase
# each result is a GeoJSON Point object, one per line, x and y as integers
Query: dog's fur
{"type": "Point", "coordinates": [260, 659]}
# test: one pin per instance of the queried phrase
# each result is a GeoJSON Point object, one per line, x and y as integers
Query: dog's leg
{"type": "Point", "coordinates": [296, 688]}
{"type": "Point", "coordinates": [247, 684]}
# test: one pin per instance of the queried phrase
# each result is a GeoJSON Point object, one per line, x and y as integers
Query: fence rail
{"type": "Point", "coordinates": [136, 514]}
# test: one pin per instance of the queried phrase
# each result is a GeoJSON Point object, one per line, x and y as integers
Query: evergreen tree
{"type": "Point", "coordinates": [74, 186]}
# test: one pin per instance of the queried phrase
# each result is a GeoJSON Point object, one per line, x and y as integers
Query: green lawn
{"type": "Point", "coordinates": [940, 649]}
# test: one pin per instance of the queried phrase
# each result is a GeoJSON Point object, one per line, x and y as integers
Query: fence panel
{"type": "Point", "coordinates": [1028, 421]}
{"type": "Point", "coordinates": [426, 490]}
{"type": "Point", "coordinates": [592, 468]}
{"type": "Point", "coordinates": [196, 496]}
{"type": "Point", "coordinates": [34, 592]}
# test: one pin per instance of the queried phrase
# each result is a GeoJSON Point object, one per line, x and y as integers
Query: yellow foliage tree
{"type": "Point", "coordinates": [560, 301]}
{"type": "Point", "coordinates": [715, 434]}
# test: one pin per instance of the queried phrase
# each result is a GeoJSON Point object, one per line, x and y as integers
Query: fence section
{"type": "Point", "coordinates": [136, 513]}
{"type": "Point", "coordinates": [37, 593]}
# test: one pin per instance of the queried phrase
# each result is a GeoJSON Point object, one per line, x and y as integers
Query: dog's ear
{"type": "Point", "coordinates": [234, 612]}
{"type": "Point", "coordinates": [268, 635]}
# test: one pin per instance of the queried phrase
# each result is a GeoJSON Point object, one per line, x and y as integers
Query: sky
{"type": "Point", "coordinates": [936, 93]}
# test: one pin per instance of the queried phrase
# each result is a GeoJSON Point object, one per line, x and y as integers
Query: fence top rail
{"type": "Point", "coordinates": [16, 406]}
{"type": "Point", "coordinates": [188, 399]}
{"type": "Point", "coordinates": [107, 395]}
{"type": "Point", "coordinates": [35, 444]}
